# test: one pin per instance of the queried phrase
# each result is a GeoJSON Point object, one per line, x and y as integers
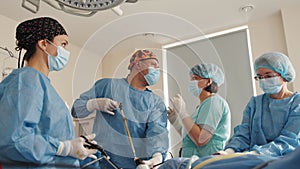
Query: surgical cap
{"type": "Point", "coordinates": [277, 62]}
{"type": "Point", "coordinates": [31, 31]}
{"type": "Point", "coordinates": [141, 55]}
{"type": "Point", "coordinates": [208, 70]}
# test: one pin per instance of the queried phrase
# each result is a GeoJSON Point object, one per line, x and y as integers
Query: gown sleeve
{"type": "Point", "coordinates": [79, 109]}
{"type": "Point", "coordinates": [157, 133]}
{"type": "Point", "coordinates": [28, 144]}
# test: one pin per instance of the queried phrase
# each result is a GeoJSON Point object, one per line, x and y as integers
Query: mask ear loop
{"type": "Point", "coordinates": [210, 81]}
{"type": "Point", "coordinates": [51, 44]}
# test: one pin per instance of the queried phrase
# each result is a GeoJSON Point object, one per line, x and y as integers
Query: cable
{"type": "Point", "coordinates": [9, 52]}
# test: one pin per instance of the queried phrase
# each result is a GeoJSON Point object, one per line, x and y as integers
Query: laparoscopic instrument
{"type": "Point", "coordinates": [92, 145]}
{"type": "Point", "coordinates": [136, 159]}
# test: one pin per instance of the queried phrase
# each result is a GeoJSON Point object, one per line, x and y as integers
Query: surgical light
{"type": "Point", "coordinates": [78, 7]}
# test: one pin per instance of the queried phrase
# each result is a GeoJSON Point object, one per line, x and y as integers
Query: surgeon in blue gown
{"type": "Point", "coordinates": [36, 126]}
{"type": "Point", "coordinates": [145, 113]}
{"type": "Point", "coordinates": [270, 124]}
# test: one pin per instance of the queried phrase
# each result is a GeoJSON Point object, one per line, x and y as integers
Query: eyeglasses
{"type": "Point", "coordinates": [196, 77]}
{"type": "Point", "coordinates": [147, 63]}
{"type": "Point", "coordinates": [266, 76]}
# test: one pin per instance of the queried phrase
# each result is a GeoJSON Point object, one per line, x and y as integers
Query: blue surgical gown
{"type": "Point", "coordinates": [213, 115]}
{"type": "Point", "coordinates": [33, 119]}
{"type": "Point", "coordinates": [290, 161]}
{"type": "Point", "coordinates": [240, 162]}
{"type": "Point", "coordinates": [269, 126]}
{"type": "Point", "coordinates": [146, 117]}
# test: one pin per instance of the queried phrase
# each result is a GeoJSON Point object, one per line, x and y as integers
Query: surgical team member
{"type": "Point", "coordinates": [208, 128]}
{"type": "Point", "coordinates": [145, 113]}
{"type": "Point", "coordinates": [270, 124]}
{"type": "Point", "coordinates": [36, 126]}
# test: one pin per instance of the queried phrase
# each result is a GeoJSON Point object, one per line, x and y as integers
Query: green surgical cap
{"type": "Point", "coordinates": [277, 62]}
{"type": "Point", "coordinates": [208, 70]}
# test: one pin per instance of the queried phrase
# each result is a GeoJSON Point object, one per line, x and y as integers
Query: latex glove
{"type": "Point", "coordinates": [172, 116]}
{"type": "Point", "coordinates": [226, 152]}
{"type": "Point", "coordinates": [174, 120]}
{"type": "Point", "coordinates": [156, 159]}
{"type": "Point", "coordinates": [179, 106]}
{"type": "Point", "coordinates": [253, 152]}
{"type": "Point", "coordinates": [102, 104]}
{"type": "Point", "coordinates": [75, 148]}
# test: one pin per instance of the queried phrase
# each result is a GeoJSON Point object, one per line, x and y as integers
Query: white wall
{"type": "Point", "coordinates": [7, 40]}
{"type": "Point", "coordinates": [268, 35]}
{"type": "Point", "coordinates": [290, 17]}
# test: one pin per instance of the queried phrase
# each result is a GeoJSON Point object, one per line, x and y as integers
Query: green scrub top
{"type": "Point", "coordinates": [213, 115]}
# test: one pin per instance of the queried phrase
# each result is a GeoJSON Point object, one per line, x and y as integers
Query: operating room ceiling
{"type": "Point", "coordinates": [207, 15]}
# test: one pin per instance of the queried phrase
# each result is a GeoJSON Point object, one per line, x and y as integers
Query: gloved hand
{"type": "Point", "coordinates": [172, 116]}
{"type": "Point", "coordinates": [174, 120]}
{"type": "Point", "coordinates": [226, 152]}
{"type": "Point", "coordinates": [156, 159]}
{"type": "Point", "coordinates": [75, 148]}
{"type": "Point", "coordinates": [253, 152]}
{"type": "Point", "coordinates": [102, 104]}
{"type": "Point", "coordinates": [179, 106]}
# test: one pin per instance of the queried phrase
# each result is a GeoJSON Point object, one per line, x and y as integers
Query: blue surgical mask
{"type": "Point", "coordinates": [194, 89]}
{"type": "Point", "coordinates": [270, 85]}
{"type": "Point", "coordinates": [153, 76]}
{"type": "Point", "coordinates": [60, 61]}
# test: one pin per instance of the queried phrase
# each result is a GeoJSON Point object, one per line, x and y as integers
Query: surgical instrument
{"type": "Point", "coordinates": [92, 145]}
{"type": "Point", "coordinates": [136, 159]}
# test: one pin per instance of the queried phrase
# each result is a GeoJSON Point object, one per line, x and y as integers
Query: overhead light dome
{"type": "Point", "coordinates": [90, 5]}
{"type": "Point", "coordinates": [78, 7]}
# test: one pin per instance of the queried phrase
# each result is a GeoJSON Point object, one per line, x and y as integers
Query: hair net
{"type": "Point", "coordinates": [30, 31]}
{"type": "Point", "coordinates": [208, 70]}
{"type": "Point", "coordinates": [141, 55]}
{"type": "Point", "coordinates": [277, 62]}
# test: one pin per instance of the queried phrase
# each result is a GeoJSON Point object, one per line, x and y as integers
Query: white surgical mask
{"type": "Point", "coordinates": [194, 89]}
{"type": "Point", "coordinates": [60, 61]}
{"type": "Point", "coordinates": [271, 85]}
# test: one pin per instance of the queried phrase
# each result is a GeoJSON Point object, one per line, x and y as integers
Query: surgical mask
{"type": "Point", "coordinates": [270, 85]}
{"type": "Point", "coordinates": [60, 61]}
{"type": "Point", "coordinates": [152, 76]}
{"type": "Point", "coordinates": [194, 89]}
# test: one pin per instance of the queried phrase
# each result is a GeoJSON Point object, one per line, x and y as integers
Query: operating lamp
{"type": "Point", "coordinates": [78, 7]}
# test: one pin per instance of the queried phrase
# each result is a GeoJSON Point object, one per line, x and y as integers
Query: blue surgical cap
{"type": "Point", "coordinates": [277, 62]}
{"type": "Point", "coordinates": [208, 70]}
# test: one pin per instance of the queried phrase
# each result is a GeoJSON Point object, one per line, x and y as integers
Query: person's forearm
{"type": "Point", "coordinates": [79, 109]}
{"type": "Point", "coordinates": [192, 129]}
